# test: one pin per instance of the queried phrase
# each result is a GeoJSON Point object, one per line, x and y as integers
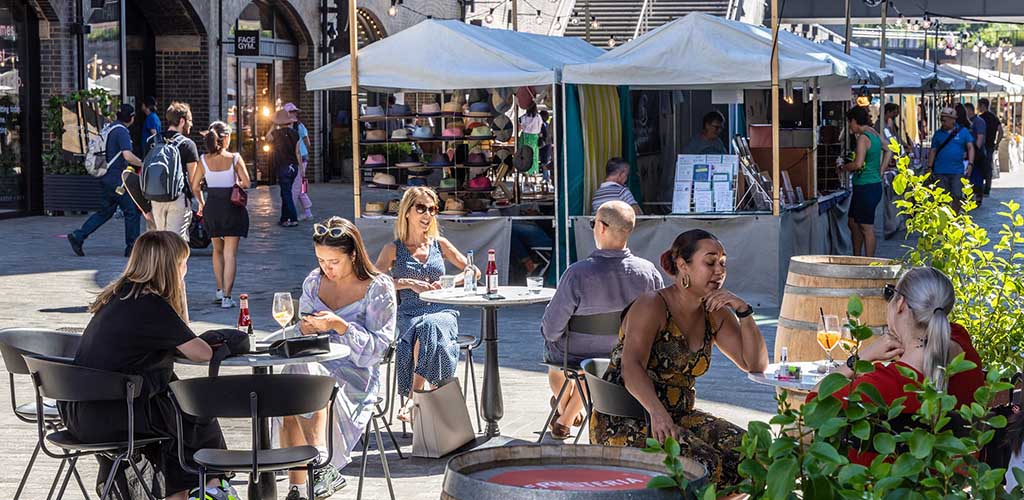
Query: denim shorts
{"type": "Point", "coordinates": [865, 202]}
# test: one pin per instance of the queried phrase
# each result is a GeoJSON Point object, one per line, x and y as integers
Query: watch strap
{"type": "Point", "coordinates": [852, 360]}
{"type": "Point", "coordinates": [744, 314]}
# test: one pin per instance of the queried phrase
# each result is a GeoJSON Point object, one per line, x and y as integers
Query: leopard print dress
{"type": "Point", "coordinates": [673, 369]}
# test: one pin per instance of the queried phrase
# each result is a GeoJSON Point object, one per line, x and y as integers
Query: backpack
{"type": "Point", "coordinates": [163, 178]}
{"type": "Point", "coordinates": [96, 163]}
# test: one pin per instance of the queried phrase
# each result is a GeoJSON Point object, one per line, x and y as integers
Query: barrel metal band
{"type": "Point", "coordinates": [813, 326]}
{"type": "Point", "coordinates": [839, 271]}
{"type": "Point", "coordinates": [834, 292]}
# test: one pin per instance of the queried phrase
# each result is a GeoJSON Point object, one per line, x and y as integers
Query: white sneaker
{"type": "Point", "coordinates": [227, 303]}
{"type": "Point", "coordinates": [219, 297]}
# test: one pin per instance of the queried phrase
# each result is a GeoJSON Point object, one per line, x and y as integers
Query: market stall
{"type": "Point", "coordinates": [642, 101]}
{"type": "Point", "coordinates": [453, 97]}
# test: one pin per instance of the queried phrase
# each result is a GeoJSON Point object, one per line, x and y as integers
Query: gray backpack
{"type": "Point", "coordinates": [163, 178]}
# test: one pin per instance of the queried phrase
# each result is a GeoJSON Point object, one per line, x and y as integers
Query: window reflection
{"type": "Point", "coordinates": [103, 45]}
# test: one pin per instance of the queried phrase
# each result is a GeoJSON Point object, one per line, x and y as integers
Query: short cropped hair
{"type": "Point", "coordinates": [614, 166]}
{"type": "Point", "coordinates": [712, 117]}
{"type": "Point", "coordinates": [176, 111]}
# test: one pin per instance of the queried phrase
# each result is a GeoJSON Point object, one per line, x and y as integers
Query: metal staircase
{"type": "Point", "coordinates": [618, 21]}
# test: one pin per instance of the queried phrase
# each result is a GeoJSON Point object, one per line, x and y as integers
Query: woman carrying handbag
{"type": "Point", "coordinates": [223, 207]}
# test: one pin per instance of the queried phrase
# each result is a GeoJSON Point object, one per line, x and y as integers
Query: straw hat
{"type": "Point", "coordinates": [454, 206]}
{"type": "Point", "coordinates": [282, 117]}
{"type": "Point", "coordinates": [948, 112]}
{"type": "Point", "coordinates": [374, 208]}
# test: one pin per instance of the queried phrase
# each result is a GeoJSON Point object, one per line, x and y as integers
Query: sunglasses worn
{"type": "Point", "coordinates": [333, 232]}
{"type": "Point", "coordinates": [889, 292]}
{"type": "Point", "coordinates": [593, 223]}
{"type": "Point", "coordinates": [422, 209]}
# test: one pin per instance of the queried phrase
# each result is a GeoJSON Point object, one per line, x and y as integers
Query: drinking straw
{"type": "Point", "coordinates": [822, 311]}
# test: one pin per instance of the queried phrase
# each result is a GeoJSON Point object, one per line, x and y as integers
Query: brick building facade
{"type": "Point", "coordinates": [184, 50]}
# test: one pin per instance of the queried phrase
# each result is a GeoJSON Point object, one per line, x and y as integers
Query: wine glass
{"type": "Point", "coordinates": [828, 337]}
{"type": "Point", "coordinates": [847, 342]}
{"type": "Point", "coordinates": [283, 309]}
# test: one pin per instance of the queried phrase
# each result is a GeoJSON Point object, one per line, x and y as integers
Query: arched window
{"type": "Point", "coordinates": [266, 17]}
{"type": "Point", "coordinates": [370, 28]}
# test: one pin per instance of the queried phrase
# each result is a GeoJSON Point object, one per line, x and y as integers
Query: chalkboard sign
{"type": "Point", "coordinates": [646, 119]}
{"type": "Point", "coordinates": [247, 43]}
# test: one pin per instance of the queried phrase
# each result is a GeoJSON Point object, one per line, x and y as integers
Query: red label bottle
{"type": "Point", "coordinates": [492, 273]}
{"type": "Point", "coordinates": [244, 320]}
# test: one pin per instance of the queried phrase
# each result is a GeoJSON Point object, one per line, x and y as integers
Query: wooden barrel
{"type": "Point", "coordinates": [826, 282]}
{"type": "Point", "coordinates": [561, 472]}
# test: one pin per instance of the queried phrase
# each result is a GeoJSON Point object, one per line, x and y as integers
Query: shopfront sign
{"type": "Point", "coordinates": [247, 43]}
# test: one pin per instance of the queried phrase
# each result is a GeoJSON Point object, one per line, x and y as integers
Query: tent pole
{"type": "Point", "coordinates": [557, 224]}
{"type": "Point", "coordinates": [353, 48]}
{"type": "Point", "coordinates": [564, 229]}
{"type": "Point", "coordinates": [515, 15]}
{"type": "Point", "coordinates": [881, 88]}
{"type": "Point", "coordinates": [816, 122]}
{"type": "Point", "coordinates": [775, 103]}
{"type": "Point", "coordinates": [846, 42]}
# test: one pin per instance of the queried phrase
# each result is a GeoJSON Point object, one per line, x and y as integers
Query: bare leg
{"type": "Point", "coordinates": [856, 234]}
{"type": "Point", "coordinates": [571, 406]}
{"type": "Point", "coordinates": [229, 256]}
{"type": "Point", "coordinates": [868, 230]}
{"type": "Point", "coordinates": [418, 384]}
{"type": "Point", "coordinates": [292, 435]}
{"type": "Point", "coordinates": [218, 262]}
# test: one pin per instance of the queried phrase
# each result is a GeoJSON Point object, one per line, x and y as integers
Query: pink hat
{"type": "Point", "coordinates": [291, 108]}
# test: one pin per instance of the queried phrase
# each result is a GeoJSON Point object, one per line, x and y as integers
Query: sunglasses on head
{"type": "Point", "coordinates": [889, 292]}
{"type": "Point", "coordinates": [422, 209]}
{"type": "Point", "coordinates": [333, 232]}
{"type": "Point", "coordinates": [594, 221]}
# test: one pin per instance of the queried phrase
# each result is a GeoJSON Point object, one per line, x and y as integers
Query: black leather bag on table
{"type": "Point", "coordinates": [297, 347]}
{"type": "Point", "coordinates": [225, 342]}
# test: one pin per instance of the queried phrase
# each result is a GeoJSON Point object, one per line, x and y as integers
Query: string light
{"type": "Point", "coordinates": [594, 24]}
{"type": "Point", "coordinates": [558, 23]}
{"type": "Point", "coordinates": [540, 18]}
{"type": "Point", "coordinates": [612, 42]}
{"type": "Point", "coordinates": [575, 19]}
{"type": "Point", "coordinates": [392, 11]}
{"type": "Point", "coordinates": [489, 18]}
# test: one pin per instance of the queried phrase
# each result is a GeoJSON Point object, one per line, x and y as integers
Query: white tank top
{"type": "Point", "coordinates": [220, 179]}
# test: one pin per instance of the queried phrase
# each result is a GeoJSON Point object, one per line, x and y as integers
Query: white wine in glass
{"type": "Point", "coordinates": [283, 310]}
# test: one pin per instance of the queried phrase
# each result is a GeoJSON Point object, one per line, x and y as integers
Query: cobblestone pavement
{"type": "Point", "coordinates": [44, 285]}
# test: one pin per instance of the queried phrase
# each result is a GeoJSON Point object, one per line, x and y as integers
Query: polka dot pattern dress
{"type": "Point", "coordinates": [435, 326]}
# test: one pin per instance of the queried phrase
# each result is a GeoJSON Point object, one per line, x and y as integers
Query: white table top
{"type": "Point", "coordinates": [809, 376]}
{"type": "Point", "coordinates": [338, 351]}
{"type": "Point", "coordinates": [513, 296]}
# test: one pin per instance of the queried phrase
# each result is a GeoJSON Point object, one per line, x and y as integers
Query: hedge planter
{"type": "Point", "coordinates": [72, 193]}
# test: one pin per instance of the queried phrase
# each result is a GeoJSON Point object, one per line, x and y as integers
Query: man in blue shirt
{"type": "Point", "coordinates": [151, 126]}
{"type": "Point", "coordinates": [946, 160]}
{"type": "Point", "coordinates": [119, 154]}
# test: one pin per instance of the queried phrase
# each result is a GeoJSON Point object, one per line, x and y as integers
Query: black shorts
{"type": "Point", "coordinates": [864, 203]}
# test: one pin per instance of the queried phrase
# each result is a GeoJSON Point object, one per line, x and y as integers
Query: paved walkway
{"type": "Point", "coordinates": [43, 284]}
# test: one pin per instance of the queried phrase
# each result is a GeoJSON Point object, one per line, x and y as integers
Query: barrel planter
{"type": "Point", "coordinates": [826, 282]}
{"type": "Point", "coordinates": [556, 472]}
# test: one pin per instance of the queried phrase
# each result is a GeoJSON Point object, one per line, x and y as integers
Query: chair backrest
{"type": "Point", "coordinates": [607, 397]}
{"type": "Point", "coordinates": [597, 324]}
{"type": "Point", "coordinates": [15, 343]}
{"type": "Point", "coordinates": [66, 382]}
{"type": "Point", "coordinates": [229, 396]}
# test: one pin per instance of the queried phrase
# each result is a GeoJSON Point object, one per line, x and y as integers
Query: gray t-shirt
{"type": "Point", "coordinates": [610, 191]}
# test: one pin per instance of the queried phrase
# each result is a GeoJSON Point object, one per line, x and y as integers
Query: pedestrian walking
{"type": "Point", "coordinates": [151, 126]}
{"type": "Point", "coordinates": [979, 131]}
{"type": "Point", "coordinates": [174, 212]}
{"type": "Point", "coordinates": [946, 159]}
{"type": "Point", "coordinates": [118, 154]}
{"type": "Point", "coordinates": [226, 218]}
{"type": "Point", "coordinates": [303, 205]}
{"type": "Point", "coordinates": [284, 162]}
{"type": "Point", "coordinates": [867, 167]}
{"type": "Point", "coordinates": [993, 137]}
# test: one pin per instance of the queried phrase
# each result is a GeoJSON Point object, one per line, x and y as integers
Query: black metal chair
{"type": "Point", "coordinates": [255, 397]}
{"type": "Point", "coordinates": [607, 397]}
{"type": "Point", "coordinates": [604, 325]}
{"type": "Point", "coordinates": [16, 343]}
{"type": "Point", "coordinates": [384, 416]}
{"type": "Point", "coordinates": [467, 344]}
{"type": "Point", "coordinates": [66, 382]}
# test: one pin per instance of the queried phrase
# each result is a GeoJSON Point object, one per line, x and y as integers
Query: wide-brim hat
{"type": "Point", "coordinates": [453, 132]}
{"type": "Point", "coordinates": [451, 108]}
{"type": "Point", "coordinates": [524, 96]}
{"type": "Point", "coordinates": [482, 133]}
{"type": "Point", "coordinates": [423, 133]}
{"type": "Point", "coordinates": [375, 160]}
{"type": "Point", "coordinates": [372, 113]}
{"type": "Point", "coordinates": [400, 110]}
{"type": "Point", "coordinates": [439, 160]}
{"type": "Point", "coordinates": [504, 156]}
{"type": "Point", "coordinates": [478, 159]}
{"type": "Point", "coordinates": [481, 109]}
{"type": "Point", "coordinates": [400, 134]}
{"type": "Point", "coordinates": [374, 208]}
{"type": "Point", "coordinates": [384, 179]}
{"type": "Point", "coordinates": [376, 135]}
{"type": "Point", "coordinates": [416, 181]}
{"type": "Point", "coordinates": [502, 128]}
{"type": "Point", "coordinates": [947, 111]}
{"type": "Point", "coordinates": [448, 183]}
{"type": "Point", "coordinates": [430, 109]}
{"type": "Point", "coordinates": [501, 99]}
{"type": "Point", "coordinates": [419, 169]}
{"type": "Point", "coordinates": [408, 161]}
{"type": "Point", "coordinates": [282, 117]}
{"type": "Point", "coordinates": [454, 206]}
{"type": "Point", "coordinates": [479, 183]}
{"type": "Point", "coordinates": [291, 107]}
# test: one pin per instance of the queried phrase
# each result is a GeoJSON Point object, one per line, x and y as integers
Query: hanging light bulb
{"type": "Point", "coordinates": [787, 94]}
{"type": "Point", "coordinates": [574, 19]}
{"type": "Point", "coordinates": [392, 11]}
{"type": "Point", "coordinates": [901, 21]}
{"type": "Point", "coordinates": [594, 24]}
{"type": "Point", "coordinates": [489, 18]}
{"type": "Point", "coordinates": [540, 18]}
{"type": "Point", "coordinates": [558, 23]}
{"type": "Point", "coordinates": [612, 42]}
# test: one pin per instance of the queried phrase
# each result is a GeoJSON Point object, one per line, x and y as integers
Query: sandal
{"type": "Point", "coordinates": [559, 431]}
{"type": "Point", "coordinates": [576, 422]}
{"type": "Point", "coordinates": [405, 414]}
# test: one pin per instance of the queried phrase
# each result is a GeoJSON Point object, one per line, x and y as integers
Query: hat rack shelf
{"type": "Point", "coordinates": [383, 118]}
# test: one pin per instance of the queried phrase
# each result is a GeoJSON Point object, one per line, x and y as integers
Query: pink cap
{"type": "Point", "coordinates": [291, 107]}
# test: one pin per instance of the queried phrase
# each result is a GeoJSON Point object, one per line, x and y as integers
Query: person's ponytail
{"type": "Point", "coordinates": [216, 135]}
{"type": "Point", "coordinates": [937, 350]}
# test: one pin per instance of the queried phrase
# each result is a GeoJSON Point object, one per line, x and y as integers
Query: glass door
{"type": "Point", "coordinates": [13, 157]}
{"type": "Point", "coordinates": [255, 115]}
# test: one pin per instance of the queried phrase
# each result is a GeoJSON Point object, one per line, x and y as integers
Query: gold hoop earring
{"type": "Point", "coordinates": [686, 281]}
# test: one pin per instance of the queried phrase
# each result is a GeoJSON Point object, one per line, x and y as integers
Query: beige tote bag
{"type": "Point", "coordinates": [440, 421]}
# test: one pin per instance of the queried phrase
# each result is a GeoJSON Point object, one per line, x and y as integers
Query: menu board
{"type": "Point", "coordinates": [705, 184]}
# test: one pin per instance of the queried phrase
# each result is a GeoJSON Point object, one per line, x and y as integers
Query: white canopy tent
{"type": "Point", "coordinates": [443, 55]}
{"type": "Point", "coordinates": [996, 83]}
{"type": "Point", "coordinates": [865, 72]}
{"type": "Point", "coordinates": [702, 51]}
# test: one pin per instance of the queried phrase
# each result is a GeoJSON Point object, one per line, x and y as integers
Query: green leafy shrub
{"type": "Point", "coordinates": [55, 160]}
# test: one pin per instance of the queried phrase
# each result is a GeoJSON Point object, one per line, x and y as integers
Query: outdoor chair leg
{"type": "Point", "coordinates": [362, 469]}
{"type": "Point", "coordinates": [551, 414]}
{"type": "Point", "coordinates": [586, 406]}
{"type": "Point", "coordinates": [202, 480]}
{"type": "Point", "coordinates": [81, 484]}
{"type": "Point", "coordinates": [383, 458]}
{"type": "Point", "coordinates": [56, 479]}
{"type": "Point", "coordinates": [28, 470]}
{"type": "Point", "coordinates": [109, 485]}
{"type": "Point", "coordinates": [476, 401]}
{"type": "Point", "coordinates": [309, 481]}
{"type": "Point", "coordinates": [394, 441]}
{"type": "Point", "coordinates": [148, 488]}
{"type": "Point", "coordinates": [67, 477]}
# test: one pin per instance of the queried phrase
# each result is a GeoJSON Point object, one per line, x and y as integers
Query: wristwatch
{"type": "Point", "coordinates": [744, 314]}
{"type": "Point", "coordinates": [852, 360]}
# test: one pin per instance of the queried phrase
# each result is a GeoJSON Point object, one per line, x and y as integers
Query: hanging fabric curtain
{"type": "Point", "coordinates": [628, 146]}
{"type": "Point", "coordinates": [602, 134]}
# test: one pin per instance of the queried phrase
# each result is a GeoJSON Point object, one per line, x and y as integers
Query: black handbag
{"type": "Point", "coordinates": [225, 342]}
{"type": "Point", "coordinates": [198, 236]}
{"type": "Point", "coordinates": [297, 347]}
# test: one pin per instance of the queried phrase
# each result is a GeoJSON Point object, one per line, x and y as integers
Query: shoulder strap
{"type": "Point", "coordinates": [234, 159]}
{"type": "Point", "coordinates": [952, 133]}
{"type": "Point", "coordinates": [668, 312]}
{"type": "Point", "coordinates": [202, 159]}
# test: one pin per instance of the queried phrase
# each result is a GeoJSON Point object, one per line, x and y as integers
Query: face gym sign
{"type": "Point", "coordinates": [247, 43]}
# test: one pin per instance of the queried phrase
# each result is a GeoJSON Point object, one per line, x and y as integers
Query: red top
{"type": "Point", "coordinates": [963, 385]}
{"type": "Point", "coordinates": [889, 382]}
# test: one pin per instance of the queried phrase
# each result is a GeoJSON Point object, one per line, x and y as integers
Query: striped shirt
{"type": "Point", "coordinates": [610, 191]}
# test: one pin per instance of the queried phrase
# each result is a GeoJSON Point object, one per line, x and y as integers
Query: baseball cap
{"type": "Point", "coordinates": [125, 112]}
{"type": "Point", "coordinates": [948, 111]}
{"type": "Point", "coordinates": [291, 107]}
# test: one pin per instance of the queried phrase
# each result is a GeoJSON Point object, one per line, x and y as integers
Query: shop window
{"type": "Point", "coordinates": [266, 18]}
{"type": "Point", "coordinates": [103, 45]}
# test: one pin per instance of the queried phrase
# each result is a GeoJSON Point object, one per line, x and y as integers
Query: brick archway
{"type": "Point", "coordinates": [171, 17]}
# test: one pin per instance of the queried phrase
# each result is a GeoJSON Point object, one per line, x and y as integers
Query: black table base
{"type": "Point", "coordinates": [493, 407]}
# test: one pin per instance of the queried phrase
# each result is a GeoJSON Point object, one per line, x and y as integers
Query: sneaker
{"type": "Point", "coordinates": [327, 481]}
{"type": "Point", "coordinates": [223, 491]}
{"type": "Point", "coordinates": [227, 303]}
{"type": "Point", "coordinates": [219, 296]}
{"type": "Point", "coordinates": [295, 494]}
{"type": "Point", "coordinates": [76, 245]}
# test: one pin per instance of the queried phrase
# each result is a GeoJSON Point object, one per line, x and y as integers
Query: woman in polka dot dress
{"type": "Point", "coordinates": [427, 350]}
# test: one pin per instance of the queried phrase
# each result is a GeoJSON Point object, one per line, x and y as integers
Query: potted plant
{"type": "Point", "coordinates": [66, 185]}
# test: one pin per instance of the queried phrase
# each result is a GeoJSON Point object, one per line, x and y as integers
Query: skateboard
{"type": "Point", "coordinates": [133, 185]}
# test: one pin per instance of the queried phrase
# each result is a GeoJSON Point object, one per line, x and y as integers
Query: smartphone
{"type": "Point", "coordinates": [494, 296]}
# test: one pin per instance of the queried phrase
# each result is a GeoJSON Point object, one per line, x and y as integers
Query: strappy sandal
{"type": "Point", "coordinates": [576, 422]}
